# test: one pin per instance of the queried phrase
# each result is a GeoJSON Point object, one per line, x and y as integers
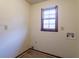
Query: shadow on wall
{"type": "Point", "coordinates": [14, 40]}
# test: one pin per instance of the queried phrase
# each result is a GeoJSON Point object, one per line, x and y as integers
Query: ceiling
{"type": "Point", "coordinates": [35, 1]}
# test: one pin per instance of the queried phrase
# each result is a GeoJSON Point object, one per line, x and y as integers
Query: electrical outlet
{"type": "Point", "coordinates": [62, 28]}
{"type": "Point", "coordinates": [6, 27]}
{"type": "Point", "coordinates": [35, 42]}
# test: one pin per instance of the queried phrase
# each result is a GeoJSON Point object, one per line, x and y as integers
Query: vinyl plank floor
{"type": "Point", "coordinates": [35, 54]}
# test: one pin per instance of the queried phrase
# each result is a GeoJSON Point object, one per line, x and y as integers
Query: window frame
{"type": "Point", "coordinates": [56, 22]}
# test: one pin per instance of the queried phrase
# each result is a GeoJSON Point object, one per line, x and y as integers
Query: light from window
{"type": "Point", "coordinates": [49, 19]}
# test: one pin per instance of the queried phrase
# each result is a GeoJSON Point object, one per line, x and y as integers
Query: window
{"type": "Point", "coordinates": [49, 19]}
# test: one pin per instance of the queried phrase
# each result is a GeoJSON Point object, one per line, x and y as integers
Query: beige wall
{"type": "Point", "coordinates": [24, 25]}
{"type": "Point", "coordinates": [77, 29]}
{"type": "Point", "coordinates": [55, 42]}
{"type": "Point", "coordinates": [14, 40]}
